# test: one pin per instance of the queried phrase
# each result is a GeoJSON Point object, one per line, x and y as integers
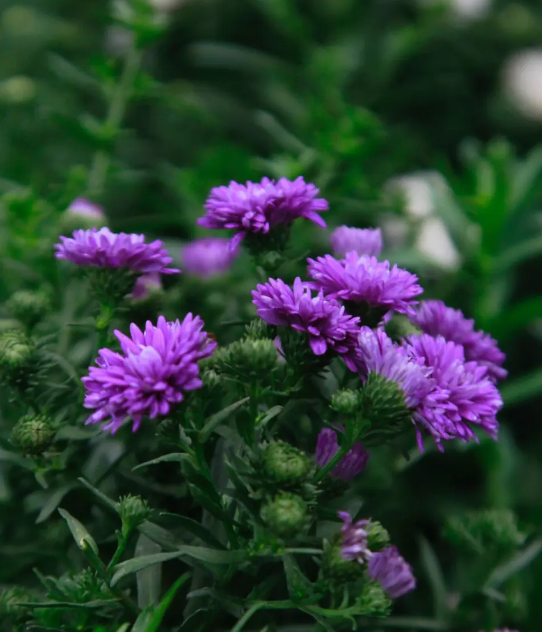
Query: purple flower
{"type": "Point", "coordinates": [103, 249]}
{"type": "Point", "coordinates": [322, 319]}
{"type": "Point", "coordinates": [392, 572]}
{"type": "Point", "coordinates": [354, 535]}
{"type": "Point", "coordinates": [365, 279]}
{"type": "Point", "coordinates": [436, 319]}
{"type": "Point", "coordinates": [208, 256]}
{"type": "Point", "coordinates": [352, 464]}
{"type": "Point", "coordinates": [152, 373]}
{"type": "Point", "coordinates": [363, 241]}
{"type": "Point", "coordinates": [145, 285]}
{"type": "Point", "coordinates": [258, 207]}
{"type": "Point", "coordinates": [83, 208]}
{"type": "Point", "coordinates": [467, 395]}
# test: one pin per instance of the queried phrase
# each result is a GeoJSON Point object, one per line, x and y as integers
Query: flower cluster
{"type": "Point", "coordinates": [155, 370]}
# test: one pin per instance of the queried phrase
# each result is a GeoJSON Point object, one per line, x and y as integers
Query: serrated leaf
{"type": "Point", "coordinates": [219, 417]}
{"type": "Point", "coordinates": [80, 534]}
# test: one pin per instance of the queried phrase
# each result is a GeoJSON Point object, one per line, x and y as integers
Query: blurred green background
{"type": "Point", "coordinates": [421, 117]}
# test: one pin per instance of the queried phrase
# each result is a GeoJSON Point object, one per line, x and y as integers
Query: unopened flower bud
{"type": "Point", "coordinates": [285, 464]}
{"type": "Point", "coordinates": [258, 329]}
{"type": "Point", "coordinates": [247, 359]}
{"type": "Point", "coordinates": [377, 537]}
{"type": "Point", "coordinates": [400, 327]}
{"type": "Point", "coordinates": [28, 306]}
{"type": "Point", "coordinates": [33, 434]}
{"type": "Point", "coordinates": [373, 600]}
{"type": "Point", "coordinates": [345, 401]}
{"type": "Point", "coordinates": [133, 511]}
{"type": "Point", "coordinates": [285, 514]}
{"type": "Point", "coordinates": [18, 358]}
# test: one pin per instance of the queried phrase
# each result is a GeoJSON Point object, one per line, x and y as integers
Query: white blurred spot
{"type": "Point", "coordinates": [434, 242]}
{"type": "Point", "coordinates": [469, 9]}
{"type": "Point", "coordinates": [523, 82]}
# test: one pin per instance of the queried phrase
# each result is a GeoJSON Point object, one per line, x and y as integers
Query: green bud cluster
{"type": "Point", "coordinates": [28, 306]}
{"type": "Point", "coordinates": [33, 434]}
{"type": "Point", "coordinates": [346, 402]}
{"type": "Point", "coordinates": [284, 464]}
{"type": "Point", "coordinates": [373, 600]}
{"type": "Point", "coordinates": [285, 514]}
{"type": "Point", "coordinates": [133, 511]}
{"type": "Point", "coordinates": [259, 330]}
{"type": "Point", "coordinates": [18, 359]}
{"type": "Point", "coordinates": [247, 359]}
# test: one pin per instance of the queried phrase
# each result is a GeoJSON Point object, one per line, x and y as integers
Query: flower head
{"type": "Point", "coordinates": [466, 395]}
{"type": "Point", "coordinates": [84, 208]}
{"type": "Point", "coordinates": [154, 370]}
{"type": "Point", "coordinates": [392, 572]}
{"type": "Point", "coordinates": [322, 319]}
{"type": "Point", "coordinates": [364, 279]}
{"type": "Point", "coordinates": [103, 249]}
{"type": "Point", "coordinates": [353, 463]}
{"type": "Point", "coordinates": [258, 207]}
{"type": "Point", "coordinates": [208, 256]}
{"type": "Point", "coordinates": [354, 536]}
{"type": "Point", "coordinates": [363, 241]}
{"type": "Point", "coordinates": [436, 319]}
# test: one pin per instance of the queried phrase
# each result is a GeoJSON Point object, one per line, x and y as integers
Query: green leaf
{"type": "Point", "coordinates": [269, 415]}
{"type": "Point", "coordinates": [54, 500]}
{"type": "Point", "coordinates": [415, 623]}
{"type": "Point", "coordinates": [174, 457]}
{"type": "Point", "coordinates": [517, 317]}
{"type": "Point", "coordinates": [110, 504]}
{"type": "Point", "coordinates": [90, 605]}
{"type": "Point", "coordinates": [149, 580]}
{"type": "Point", "coordinates": [525, 180]}
{"type": "Point", "coordinates": [195, 528]}
{"type": "Point", "coordinates": [299, 587]}
{"type": "Point", "coordinates": [522, 388]}
{"type": "Point", "coordinates": [80, 534]}
{"type": "Point", "coordinates": [515, 255]}
{"type": "Point", "coordinates": [219, 417]}
{"type": "Point", "coordinates": [210, 556]}
{"type": "Point", "coordinates": [516, 564]}
{"type": "Point", "coordinates": [436, 578]}
{"type": "Point", "coordinates": [151, 619]}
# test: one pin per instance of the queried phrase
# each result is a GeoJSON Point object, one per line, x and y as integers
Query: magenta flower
{"type": "Point", "coordinates": [84, 208]}
{"type": "Point", "coordinates": [363, 241]}
{"type": "Point", "coordinates": [145, 285]}
{"type": "Point", "coordinates": [364, 279]}
{"type": "Point", "coordinates": [354, 545]}
{"type": "Point", "coordinates": [467, 396]}
{"type": "Point", "coordinates": [103, 249]}
{"type": "Point", "coordinates": [152, 373]}
{"type": "Point", "coordinates": [352, 464]}
{"type": "Point", "coordinates": [323, 320]}
{"type": "Point", "coordinates": [208, 256]}
{"type": "Point", "coordinates": [436, 319]}
{"type": "Point", "coordinates": [392, 572]}
{"type": "Point", "coordinates": [258, 207]}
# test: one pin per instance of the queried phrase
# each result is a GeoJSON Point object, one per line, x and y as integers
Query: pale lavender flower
{"type": "Point", "coordinates": [84, 208]}
{"type": "Point", "coordinates": [258, 207]}
{"type": "Point", "coordinates": [354, 545]}
{"type": "Point", "coordinates": [436, 319]}
{"type": "Point", "coordinates": [363, 241]}
{"type": "Point", "coordinates": [152, 373]}
{"type": "Point", "coordinates": [325, 322]}
{"type": "Point", "coordinates": [103, 249]}
{"type": "Point", "coordinates": [364, 279]}
{"type": "Point", "coordinates": [207, 257]}
{"type": "Point", "coordinates": [352, 464]}
{"type": "Point", "coordinates": [145, 285]}
{"type": "Point", "coordinates": [390, 570]}
{"type": "Point", "coordinates": [470, 398]}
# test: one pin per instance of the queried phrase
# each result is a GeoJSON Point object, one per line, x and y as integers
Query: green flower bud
{"type": "Point", "coordinates": [345, 401]}
{"type": "Point", "coordinates": [400, 327]}
{"type": "Point", "coordinates": [133, 511]}
{"type": "Point", "coordinates": [283, 463]}
{"type": "Point", "coordinates": [285, 514]}
{"type": "Point", "coordinates": [259, 330]}
{"type": "Point", "coordinates": [33, 434]}
{"type": "Point", "coordinates": [373, 600]}
{"type": "Point", "coordinates": [247, 359]}
{"type": "Point", "coordinates": [382, 408]}
{"type": "Point", "coordinates": [28, 306]}
{"type": "Point", "coordinates": [9, 608]}
{"type": "Point", "coordinates": [335, 569]}
{"type": "Point", "coordinates": [377, 537]}
{"type": "Point", "coordinates": [18, 357]}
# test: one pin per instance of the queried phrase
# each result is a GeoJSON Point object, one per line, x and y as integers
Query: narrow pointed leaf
{"type": "Point", "coordinates": [219, 417]}
{"type": "Point", "coordinates": [80, 534]}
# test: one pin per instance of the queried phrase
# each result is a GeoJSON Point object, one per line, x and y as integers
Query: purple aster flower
{"type": "Point", "coordinates": [364, 279]}
{"type": "Point", "coordinates": [83, 208]}
{"type": "Point", "coordinates": [208, 256]}
{"type": "Point", "coordinates": [347, 468]}
{"type": "Point", "coordinates": [258, 207]}
{"type": "Point", "coordinates": [151, 374]}
{"type": "Point", "coordinates": [390, 570]}
{"type": "Point", "coordinates": [468, 396]}
{"type": "Point", "coordinates": [103, 249]}
{"type": "Point", "coordinates": [146, 285]}
{"type": "Point", "coordinates": [436, 319]}
{"type": "Point", "coordinates": [354, 545]}
{"type": "Point", "coordinates": [322, 319]}
{"type": "Point", "coordinates": [364, 241]}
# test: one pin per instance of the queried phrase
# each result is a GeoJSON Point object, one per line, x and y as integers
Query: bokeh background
{"type": "Point", "coordinates": [421, 117]}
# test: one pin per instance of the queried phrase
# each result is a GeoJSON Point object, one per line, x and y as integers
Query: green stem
{"type": "Point", "coordinates": [123, 541]}
{"type": "Point", "coordinates": [117, 108]}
